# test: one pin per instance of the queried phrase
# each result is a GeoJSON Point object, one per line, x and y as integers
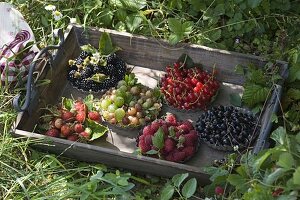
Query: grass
{"type": "Point", "coordinates": [26, 173]}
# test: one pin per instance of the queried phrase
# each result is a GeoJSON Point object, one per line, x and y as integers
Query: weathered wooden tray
{"type": "Point", "coordinates": [150, 56]}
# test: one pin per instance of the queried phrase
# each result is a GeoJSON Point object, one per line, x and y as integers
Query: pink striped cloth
{"type": "Point", "coordinates": [15, 60]}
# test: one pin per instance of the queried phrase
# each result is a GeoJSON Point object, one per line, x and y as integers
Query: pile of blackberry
{"type": "Point", "coordinates": [81, 71]}
{"type": "Point", "coordinates": [226, 127]}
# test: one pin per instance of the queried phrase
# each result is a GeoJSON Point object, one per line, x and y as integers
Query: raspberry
{"type": "Point", "coordinates": [52, 133]}
{"type": "Point", "coordinates": [148, 131]}
{"type": "Point", "coordinates": [67, 115]}
{"type": "Point", "coordinates": [183, 128]}
{"type": "Point", "coordinates": [190, 139]}
{"type": "Point", "coordinates": [72, 137]}
{"type": "Point", "coordinates": [189, 151]}
{"type": "Point", "coordinates": [169, 145]}
{"type": "Point", "coordinates": [95, 116]}
{"type": "Point", "coordinates": [144, 148]}
{"type": "Point", "coordinates": [80, 117]}
{"type": "Point", "coordinates": [171, 119]}
{"type": "Point", "coordinates": [219, 190]}
{"type": "Point", "coordinates": [148, 140]}
{"type": "Point", "coordinates": [178, 155]}
{"type": "Point", "coordinates": [154, 126]}
{"type": "Point", "coordinates": [78, 128]}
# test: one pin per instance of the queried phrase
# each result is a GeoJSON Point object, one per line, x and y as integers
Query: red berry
{"type": "Point", "coordinates": [190, 139]}
{"type": "Point", "coordinates": [72, 137]}
{"type": "Point", "coordinates": [95, 116]}
{"type": "Point", "coordinates": [65, 130]}
{"type": "Point", "coordinates": [85, 135]}
{"type": "Point", "coordinates": [80, 106]}
{"type": "Point", "coordinates": [171, 118]}
{"type": "Point", "coordinates": [170, 145]}
{"type": "Point", "coordinates": [58, 123]}
{"type": "Point", "coordinates": [148, 140]}
{"type": "Point", "coordinates": [189, 151]}
{"type": "Point", "coordinates": [277, 192]}
{"type": "Point", "coordinates": [67, 115]}
{"type": "Point", "coordinates": [219, 190]}
{"type": "Point", "coordinates": [78, 128]}
{"type": "Point", "coordinates": [148, 131]}
{"type": "Point", "coordinates": [189, 125]}
{"type": "Point", "coordinates": [80, 117]}
{"type": "Point", "coordinates": [178, 156]}
{"type": "Point", "coordinates": [155, 126]}
{"type": "Point", "coordinates": [52, 132]}
{"type": "Point", "coordinates": [144, 148]}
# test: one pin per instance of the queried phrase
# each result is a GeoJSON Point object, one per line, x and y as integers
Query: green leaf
{"type": "Point", "coordinates": [152, 152]}
{"type": "Point", "coordinates": [235, 99]}
{"type": "Point", "coordinates": [260, 160]}
{"type": "Point", "coordinates": [167, 192]}
{"type": "Point", "coordinates": [219, 9]}
{"type": "Point", "coordinates": [215, 172]}
{"type": "Point", "coordinates": [178, 179]}
{"type": "Point", "coordinates": [179, 28]}
{"type": "Point", "coordinates": [236, 180]}
{"type": "Point", "coordinates": [298, 137]}
{"type": "Point", "coordinates": [105, 45]}
{"type": "Point", "coordinates": [98, 129]}
{"type": "Point", "coordinates": [186, 61]}
{"type": "Point", "coordinates": [239, 69]}
{"type": "Point", "coordinates": [271, 178]}
{"type": "Point", "coordinates": [254, 3]}
{"type": "Point", "coordinates": [296, 176]}
{"type": "Point", "coordinates": [67, 103]}
{"type": "Point", "coordinates": [286, 160]}
{"type": "Point", "coordinates": [198, 5]}
{"type": "Point", "coordinates": [97, 176]}
{"type": "Point", "coordinates": [134, 5]}
{"type": "Point", "coordinates": [279, 135]}
{"type": "Point", "coordinates": [175, 38]}
{"type": "Point", "coordinates": [274, 118]}
{"type": "Point", "coordinates": [215, 35]}
{"type": "Point", "coordinates": [293, 94]}
{"type": "Point", "coordinates": [189, 188]}
{"type": "Point", "coordinates": [106, 16]}
{"type": "Point", "coordinates": [89, 101]}
{"type": "Point", "coordinates": [254, 94]}
{"type": "Point", "coordinates": [158, 138]}
{"type": "Point", "coordinates": [133, 22]}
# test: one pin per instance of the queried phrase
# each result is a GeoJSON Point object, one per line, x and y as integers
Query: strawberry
{"type": "Point", "coordinates": [58, 123]}
{"type": "Point", "coordinates": [144, 148]}
{"type": "Point", "coordinates": [95, 116]}
{"type": "Point", "coordinates": [65, 130]}
{"type": "Point", "coordinates": [169, 145]}
{"type": "Point", "coordinates": [189, 151]}
{"type": "Point", "coordinates": [52, 132]}
{"type": "Point", "coordinates": [178, 155]}
{"type": "Point", "coordinates": [85, 135]}
{"type": "Point", "coordinates": [73, 137]}
{"type": "Point", "coordinates": [219, 190]}
{"type": "Point", "coordinates": [171, 119]}
{"type": "Point", "coordinates": [148, 140]}
{"type": "Point", "coordinates": [79, 106]}
{"type": "Point", "coordinates": [67, 115]}
{"type": "Point", "coordinates": [80, 117]}
{"type": "Point", "coordinates": [78, 128]}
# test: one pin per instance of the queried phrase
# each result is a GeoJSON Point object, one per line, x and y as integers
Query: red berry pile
{"type": "Point", "coordinates": [169, 139]}
{"type": "Point", "coordinates": [73, 121]}
{"type": "Point", "coordinates": [188, 88]}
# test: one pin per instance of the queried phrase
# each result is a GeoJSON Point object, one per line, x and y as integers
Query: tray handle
{"type": "Point", "coordinates": [30, 86]}
{"type": "Point", "coordinates": [262, 140]}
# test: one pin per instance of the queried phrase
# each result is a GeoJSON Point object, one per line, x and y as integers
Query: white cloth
{"type": "Point", "coordinates": [11, 23]}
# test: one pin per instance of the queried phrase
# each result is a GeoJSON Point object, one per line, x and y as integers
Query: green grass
{"type": "Point", "coordinates": [268, 29]}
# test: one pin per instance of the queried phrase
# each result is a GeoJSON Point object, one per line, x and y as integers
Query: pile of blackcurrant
{"type": "Point", "coordinates": [88, 72]}
{"type": "Point", "coordinates": [227, 127]}
{"type": "Point", "coordinates": [188, 89]}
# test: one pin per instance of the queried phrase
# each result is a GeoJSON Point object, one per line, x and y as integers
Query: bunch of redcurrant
{"type": "Point", "coordinates": [188, 89]}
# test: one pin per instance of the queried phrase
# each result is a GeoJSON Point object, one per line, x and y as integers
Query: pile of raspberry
{"type": "Point", "coordinates": [169, 139]}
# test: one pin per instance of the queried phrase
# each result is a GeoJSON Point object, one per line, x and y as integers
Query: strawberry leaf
{"type": "Point", "coordinates": [158, 138]}
{"type": "Point", "coordinates": [98, 129]}
{"type": "Point", "coordinates": [187, 61]}
{"type": "Point", "coordinates": [67, 103]}
{"type": "Point", "coordinates": [106, 46]}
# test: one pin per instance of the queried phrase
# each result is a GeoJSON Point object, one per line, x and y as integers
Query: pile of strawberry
{"type": "Point", "coordinates": [169, 139]}
{"type": "Point", "coordinates": [188, 88]}
{"type": "Point", "coordinates": [72, 120]}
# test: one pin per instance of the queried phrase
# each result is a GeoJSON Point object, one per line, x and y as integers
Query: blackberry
{"type": "Point", "coordinates": [111, 58]}
{"type": "Point", "coordinates": [71, 76]}
{"type": "Point", "coordinates": [100, 70]}
{"type": "Point", "coordinates": [226, 127]}
{"type": "Point", "coordinates": [84, 54]}
{"type": "Point", "coordinates": [86, 72]}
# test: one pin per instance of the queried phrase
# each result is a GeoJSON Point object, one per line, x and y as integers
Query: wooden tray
{"type": "Point", "coordinates": [149, 56]}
